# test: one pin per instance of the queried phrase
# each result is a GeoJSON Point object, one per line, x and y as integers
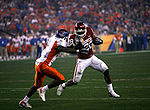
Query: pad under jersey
{"type": "Point", "coordinates": [86, 42]}
{"type": "Point", "coordinates": [50, 53]}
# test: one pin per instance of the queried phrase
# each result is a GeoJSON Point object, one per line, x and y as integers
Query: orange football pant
{"type": "Point", "coordinates": [16, 49]}
{"type": "Point", "coordinates": [28, 47]}
{"type": "Point", "coordinates": [43, 70]}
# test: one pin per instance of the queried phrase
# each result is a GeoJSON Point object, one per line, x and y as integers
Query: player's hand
{"type": "Point", "coordinates": [97, 41]}
{"type": "Point", "coordinates": [77, 41]}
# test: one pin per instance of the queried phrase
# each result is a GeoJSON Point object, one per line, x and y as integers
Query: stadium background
{"type": "Point", "coordinates": [127, 17]}
{"type": "Point", "coordinates": [129, 70]}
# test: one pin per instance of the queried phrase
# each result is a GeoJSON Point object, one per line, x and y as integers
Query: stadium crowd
{"type": "Point", "coordinates": [38, 19]}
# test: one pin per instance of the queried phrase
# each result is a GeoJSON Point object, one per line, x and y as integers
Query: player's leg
{"type": "Point", "coordinates": [14, 52]}
{"type": "Point", "coordinates": [102, 67]}
{"type": "Point", "coordinates": [39, 79]}
{"type": "Point", "coordinates": [17, 56]}
{"type": "Point", "coordinates": [30, 50]}
{"type": "Point", "coordinates": [109, 85]}
{"type": "Point", "coordinates": [78, 72]}
{"type": "Point", "coordinates": [52, 73]}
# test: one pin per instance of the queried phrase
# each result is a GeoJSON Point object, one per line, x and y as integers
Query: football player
{"type": "Point", "coordinates": [82, 40]}
{"type": "Point", "coordinates": [43, 67]}
{"type": "Point", "coordinates": [16, 45]}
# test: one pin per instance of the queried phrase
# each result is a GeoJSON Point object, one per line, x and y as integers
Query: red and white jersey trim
{"type": "Point", "coordinates": [50, 53]}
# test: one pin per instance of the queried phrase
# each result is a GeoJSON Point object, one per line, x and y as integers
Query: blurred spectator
{"type": "Point", "coordinates": [124, 42]}
{"type": "Point", "coordinates": [28, 45]}
{"type": "Point", "coordinates": [148, 38]}
{"type": "Point", "coordinates": [33, 46]}
{"type": "Point", "coordinates": [16, 45]}
{"type": "Point", "coordinates": [9, 47]}
{"type": "Point", "coordinates": [108, 17]}
{"type": "Point", "coordinates": [129, 42]}
{"type": "Point", "coordinates": [3, 46]}
{"type": "Point", "coordinates": [39, 46]}
{"type": "Point", "coordinates": [41, 15]}
{"type": "Point", "coordinates": [118, 42]}
{"type": "Point", "coordinates": [22, 43]}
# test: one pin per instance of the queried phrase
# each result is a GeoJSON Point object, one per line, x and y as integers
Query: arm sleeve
{"type": "Point", "coordinates": [66, 49]}
{"type": "Point", "coordinates": [62, 42]}
{"type": "Point", "coordinates": [95, 40]}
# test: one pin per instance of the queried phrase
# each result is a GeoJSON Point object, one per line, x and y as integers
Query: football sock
{"type": "Point", "coordinates": [32, 91]}
{"type": "Point", "coordinates": [64, 85]}
{"type": "Point", "coordinates": [45, 88]}
{"type": "Point", "coordinates": [26, 99]}
{"type": "Point", "coordinates": [107, 77]}
{"type": "Point", "coordinates": [110, 87]}
{"type": "Point", "coordinates": [70, 83]}
{"type": "Point", "coordinates": [55, 83]}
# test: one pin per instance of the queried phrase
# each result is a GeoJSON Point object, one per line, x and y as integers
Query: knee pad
{"type": "Point", "coordinates": [77, 78]}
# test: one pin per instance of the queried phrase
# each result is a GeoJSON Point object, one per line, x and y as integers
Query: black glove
{"type": "Point", "coordinates": [77, 40]}
{"type": "Point", "coordinates": [78, 44]}
{"type": "Point", "coordinates": [97, 41]}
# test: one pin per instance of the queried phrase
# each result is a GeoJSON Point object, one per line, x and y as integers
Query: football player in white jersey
{"type": "Point", "coordinates": [43, 67]}
{"type": "Point", "coordinates": [16, 45]}
{"type": "Point", "coordinates": [82, 39]}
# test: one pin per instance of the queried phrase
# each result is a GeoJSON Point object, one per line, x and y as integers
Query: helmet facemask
{"type": "Point", "coordinates": [62, 33]}
{"type": "Point", "coordinates": [80, 29]}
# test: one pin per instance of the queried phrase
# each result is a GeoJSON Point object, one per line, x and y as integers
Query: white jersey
{"type": "Point", "coordinates": [22, 38]}
{"type": "Point", "coordinates": [28, 39]}
{"type": "Point", "coordinates": [50, 53]}
{"type": "Point", "coordinates": [16, 42]}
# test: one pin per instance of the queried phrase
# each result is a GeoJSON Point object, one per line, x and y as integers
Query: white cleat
{"type": "Point", "coordinates": [113, 94]}
{"type": "Point", "coordinates": [41, 94]}
{"type": "Point", "coordinates": [24, 104]}
{"type": "Point", "coordinates": [60, 90]}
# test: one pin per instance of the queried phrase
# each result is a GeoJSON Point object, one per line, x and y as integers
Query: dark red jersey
{"type": "Point", "coordinates": [86, 42]}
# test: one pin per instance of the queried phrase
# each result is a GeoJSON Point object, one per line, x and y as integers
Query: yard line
{"type": "Point", "coordinates": [132, 79]}
{"type": "Point", "coordinates": [111, 53]}
{"type": "Point", "coordinates": [87, 80]}
{"type": "Point", "coordinates": [81, 87]}
{"type": "Point", "coordinates": [81, 99]}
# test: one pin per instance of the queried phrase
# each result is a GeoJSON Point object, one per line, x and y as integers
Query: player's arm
{"type": "Point", "coordinates": [97, 40]}
{"type": "Point", "coordinates": [67, 49]}
{"type": "Point", "coordinates": [72, 50]}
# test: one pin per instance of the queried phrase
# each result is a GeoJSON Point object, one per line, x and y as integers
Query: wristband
{"type": "Point", "coordinates": [77, 51]}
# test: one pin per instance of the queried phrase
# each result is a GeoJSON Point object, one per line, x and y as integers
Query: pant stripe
{"type": "Point", "coordinates": [75, 72]}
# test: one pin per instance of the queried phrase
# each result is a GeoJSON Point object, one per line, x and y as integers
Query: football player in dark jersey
{"type": "Point", "coordinates": [82, 41]}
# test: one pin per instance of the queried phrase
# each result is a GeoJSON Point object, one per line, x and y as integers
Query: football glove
{"type": "Point", "coordinates": [76, 41]}
{"type": "Point", "coordinates": [78, 44]}
{"type": "Point", "coordinates": [83, 51]}
{"type": "Point", "coordinates": [97, 41]}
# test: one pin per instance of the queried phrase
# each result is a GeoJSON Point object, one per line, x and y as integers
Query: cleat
{"type": "Point", "coordinates": [24, 104]}
{"type": "Point", "coordinates": [113, 94]}
{"type": "Point", "coordinates": [41, 94]}
{"type": "Point", "coordinates": [60, 90]}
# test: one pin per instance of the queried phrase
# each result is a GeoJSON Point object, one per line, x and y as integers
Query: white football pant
{"type": "Point", "coordinates": [82, 64]}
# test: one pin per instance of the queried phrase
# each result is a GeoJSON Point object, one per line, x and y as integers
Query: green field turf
{"type": "Point", "coordinates": [130, 73]}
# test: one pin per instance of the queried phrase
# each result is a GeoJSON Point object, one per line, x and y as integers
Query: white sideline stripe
{"type": "Point", "coordinates": [87, 80]}
{"type": "Point", "coordinates": [82, 99]}
{"type": "Point", "coordinates": [96, 87]}
{"type": "Point", "coordinates": [122, 53]}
